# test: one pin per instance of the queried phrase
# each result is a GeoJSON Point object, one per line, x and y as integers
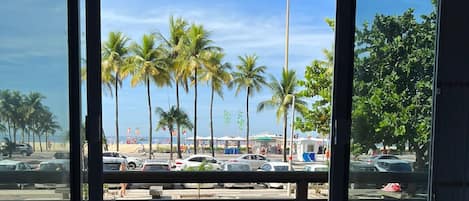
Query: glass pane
{"type": "Point", "coordinates": [156, 54]}
{"type": "Point", "coordinates": [34, 102]}
{"type": "Point", "coordinates": [392, 99]}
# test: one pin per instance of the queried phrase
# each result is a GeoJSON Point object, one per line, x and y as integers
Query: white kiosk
{"type": "Point", "coordinates": [310, 145]}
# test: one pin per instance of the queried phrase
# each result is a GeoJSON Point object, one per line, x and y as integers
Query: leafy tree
{"type": "Point", "coordinates": [169, 119]}
{"type": "Point", "coordinates": [283, 91]}
{"type": "Point", "coordinates": [147, 64]}
{"type": "Point", "coordinates": [318, 85]}
{"type": "Point", "coordinates": [393, 82]}
{"type": "Point", "coordinates": [217, 75]}
{"type": "Point", "coordinates": [248, 76]}
{"type": "Point", "coordinates": [196, 44]}
{"type": "Point", "coordinates": [114, 54]}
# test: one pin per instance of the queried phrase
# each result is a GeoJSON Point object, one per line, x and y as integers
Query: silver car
{"type": "Point", "coordinates": [237, 167]}
{"type": "Point", "coordinates": [254, 160]}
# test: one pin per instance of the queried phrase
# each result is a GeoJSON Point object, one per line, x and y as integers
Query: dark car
{"type": "Point", "coordinates": [373, 159]}
{"type": "Point", "coordinates": [362, 167]}
{"type": "Point", "coordinates": [23, 149]}
{"type": "Point", "coordinates": [154, 166]}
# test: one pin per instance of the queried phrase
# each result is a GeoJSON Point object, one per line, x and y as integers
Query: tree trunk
{"type": "Point", "coordinates": [40, 142]}
{"type": "Point", "coordinates": [178, 127]}
{"type": "Point", "coordinates": [47, 142]}
{"type": "Point", "coordinates": [284, 150]}
{"type": "Point", "coordinates": [247, 119]}
{"type": "Point", "coordinates": [117, 111]}
{"type": "Point", "coordinates": [171, 144]}
{"type": "Point", "coordinates": [34, 142]}
{"type": "Point", "coordinates": [149, 116]}
{"type": "Point", "coordinates": [29, 136]}
{"type": "Point", "coordinates": [22, 135]}
{"type": "Point", "coordinates": [211, 123]}
{"type": "Point", "coordinates": [14, 133]}
{"type": "Point", "coordinates": [195, 111]}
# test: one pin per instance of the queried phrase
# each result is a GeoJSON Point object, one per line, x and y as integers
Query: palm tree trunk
{"type": "Point", "coordinates": [22, 135]}
{"type": "Point", "coordinates": [34, 142]}
{"type": "Point", "coordinates": [171, 144]}
{"type": "Point", "coordinates": [211, 123]}
{"type": "Point", "coordinates": [117, 111]}
{"type": "Point", "coordinates": [149, 117]}
{"type": "Point", "coordinates": [195, 111]}
{"type": "Point", "coordinates": [14, 132]}
{"type": "Point", "coordinates": [247, 119]}
{"type": "Point", "coordinates": [40, 143]}
{"type": "Point", "coordinates": [29, 136]}
{"type": "Point", "coordinates": [47, 142]}
{"type": "Point", "coordinates": [178, 127]}
{"type": "Point", "coordinates": [284, 150]}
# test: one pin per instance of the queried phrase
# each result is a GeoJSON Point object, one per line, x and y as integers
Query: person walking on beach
{"type": "Point", "coordinates": [123, 191]}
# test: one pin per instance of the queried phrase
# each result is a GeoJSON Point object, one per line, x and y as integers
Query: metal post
{"type": "Point", "coordinates": [287, 25]}
{"type": "Point", "coordinates": [292, 127]}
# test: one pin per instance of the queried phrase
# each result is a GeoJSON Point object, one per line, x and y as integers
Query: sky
{"type": "Point", "coordinates": [33, 51]}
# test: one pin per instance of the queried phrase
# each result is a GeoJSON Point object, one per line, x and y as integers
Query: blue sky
{"type": "Point", "coordinates": [34, 46]}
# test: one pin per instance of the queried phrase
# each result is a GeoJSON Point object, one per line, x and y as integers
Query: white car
{"type": "Point", "coordinates": [196, 160]}
{"type": "Point", "coordinates": [316, 168]}
{"type": "Point", "coordinates": [254, 160]}
{"type": "Point", "coordinates": [275, 167]}
{"type": "Point", "coordinates": [132, 162]}
{"type": "Point", "coordinates": [237, 166]}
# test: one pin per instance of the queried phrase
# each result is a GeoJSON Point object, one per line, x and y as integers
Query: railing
{"type": "Point", "coordinates": [299, 177]}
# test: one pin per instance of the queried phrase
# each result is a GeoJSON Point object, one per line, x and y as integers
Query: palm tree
{"type": "Point", "coordinates": [282, 95]}
{"type": "Point", "coordinates": [216, 74]}
{"type": "Point", "coordinates": [114, 55]}
{"type": "Point", "coordinates": [248, 76]}
{"type": "Point", "coordinates": [33, 103]}
{"type": "Point", "coordinates": [169, 119]}
{"type": "Point", "coordinates": [196, 43]}
{"type": "Point", "coordinates": [180, 74]}
{"type": "Point", "coordinates": [147, 65]}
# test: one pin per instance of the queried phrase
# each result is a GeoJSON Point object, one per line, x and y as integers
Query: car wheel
{"type": "Point", "coordinates": [24, 153]}
{"type": "Point", "coordinates": [132, 165]}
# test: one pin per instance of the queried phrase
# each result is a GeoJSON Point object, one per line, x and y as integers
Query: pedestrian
{"type": "Point", "coordinates": [123, 190]}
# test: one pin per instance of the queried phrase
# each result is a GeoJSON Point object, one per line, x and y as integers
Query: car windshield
{"type": "Point", "coordinates": [7, 167]}
{"type": "Point", "coordinates": [400, 167]}
{"type": "Point", "coordinates": [111, 166]}
{"type": "Point", "coordinates": [160, 167]}
{"type": "Point", "coordinates": [237, 167]}
{"type": "Point", "coordinates": [281, 168]}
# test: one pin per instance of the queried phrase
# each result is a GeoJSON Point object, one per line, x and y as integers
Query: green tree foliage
{"type": "Point", "coordinates": [393, 83]}
{"type": "Point", "coordinates": [26, 112]}
{"type": "Point", "coordinates": [248, 76]}
{"type": "Point", "coordinates": [171, 118]}
{"type": "Point", "coordinates": [283, 91]}
{"type": "Point", "coordinates": [318, 85]}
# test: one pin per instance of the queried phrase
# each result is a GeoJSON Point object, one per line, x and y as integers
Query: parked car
{"type": "Point", "coordinates": [254, 160]}
{"type": "Point", "coordinates": [200, 163]}
{"type": "Point", "coordinates": [196, 160]}
{"type": "Point", "coordinates": [393, 165]}
{"type": "Point", "coordinates": [112, 164]}
{"type": "Point", "coordinates": [55, 165]}
{"type": "Point", "coordinates": [316, 168]}
{"type": "Point", "coordinates": [132, 162]}
{"type": "Point", "coordinates": [13, 166]}
{"type": "Point", "coordinates": [61, 155]}
{"type": "Point", "coordinates": [23, 149]}
{"type": "Point", "coordinates": [237, 166]}
{"type": "Point", "coordinates": [373, 159]}
{"type": "Point", "coordinates": [357, 166]}
{"type": "Point", "coordinates": [275, 167]}
{"type": "Point", "coordinates": [154, 166]}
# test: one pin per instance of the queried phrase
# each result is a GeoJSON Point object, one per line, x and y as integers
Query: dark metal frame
{"type": "Point", "coordinates": [94, 117]}
{"type": "Point", "coordinates": [342, 100]}
{"type": "Point", "coordinates": [73, 18]}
